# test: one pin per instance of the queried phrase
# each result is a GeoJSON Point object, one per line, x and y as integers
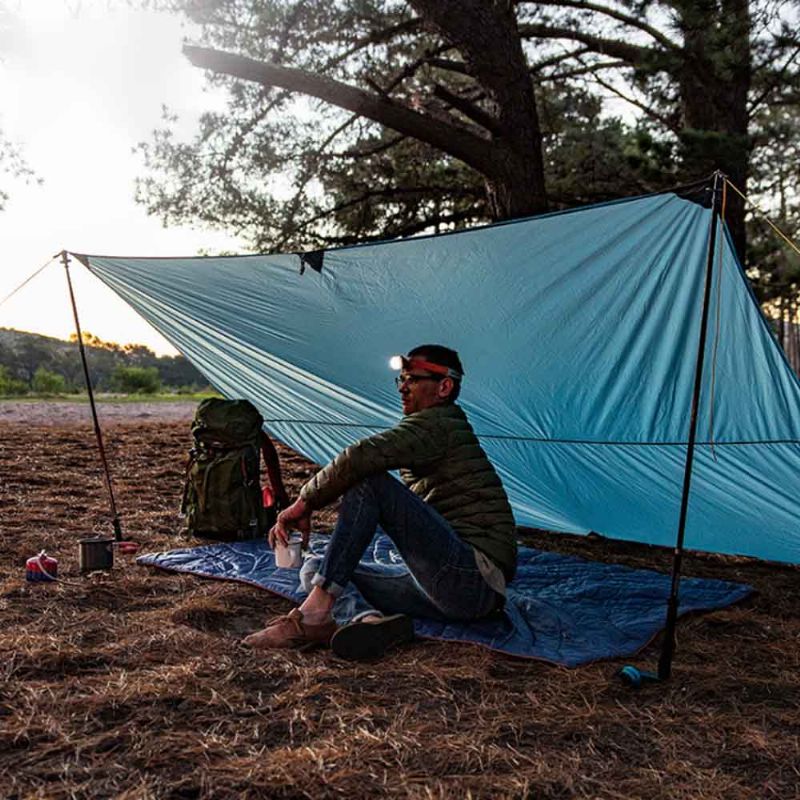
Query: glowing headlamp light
{"type": "Point", "coordinates": [402, 362]}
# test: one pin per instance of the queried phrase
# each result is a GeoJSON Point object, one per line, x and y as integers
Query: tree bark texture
{"type": "Point", "coordinates": [486, 35]}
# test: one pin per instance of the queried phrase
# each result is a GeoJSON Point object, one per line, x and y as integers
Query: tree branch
{"type": "Point", "coordinates": [791, 99]}
{"type": "Point", "coordinates": [589, 69]}
{"type": "Point", "coordinates": [469, 110]}
{"type": "Point", "coordinates": [385, 194]}
{"type": "Point", "coordinates": [410, 69]}
{"type": "Point", "coordinates": [554, 60]}
{"type": "Point", "coordinates": [417, 226]}
{"type": "Point", "coordinates": [368, 152]}
{"type": "Point", "coordinates": [632, 53]}
{"type": "Point", "coordinates": [376, 37]}
{"type": "Point", "coordinates": [449, 65]}
{"type": "Point", "coordinates": [308, 173]}
{"type": "Point", "coordinates": [407, 230]}
{"type": "Point", "coordinates": [774, 82]}
{"type": "Point", "coordinates": [448, 137]}
{"type": "Point", "coordinates": [647, 110]}
{"type": "Point", "coordinates": [626, 19]}
{"type": "Point", "coordinates": [248, 127]}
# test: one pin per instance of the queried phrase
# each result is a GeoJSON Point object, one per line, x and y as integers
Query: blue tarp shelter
{"type": "Point", "coordinates": [578, 332]}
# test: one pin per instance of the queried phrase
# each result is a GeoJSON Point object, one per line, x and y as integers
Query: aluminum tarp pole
{"type": "Point", "coordinates": [665, 661]}
{"type": "Point", "coordinates": [97, 432]}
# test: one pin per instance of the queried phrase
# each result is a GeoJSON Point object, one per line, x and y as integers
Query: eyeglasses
{"type": "Point", "coordinates": [401, 380]}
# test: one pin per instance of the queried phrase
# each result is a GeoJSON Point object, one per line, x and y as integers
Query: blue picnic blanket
{"type": "Point", "coordinates": [560, 608]}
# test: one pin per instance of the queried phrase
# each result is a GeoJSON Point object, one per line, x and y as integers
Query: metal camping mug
{"type": "Point", "coordinates": [289, 556]}
{"type": "Point", "coordinates": [96, 553]}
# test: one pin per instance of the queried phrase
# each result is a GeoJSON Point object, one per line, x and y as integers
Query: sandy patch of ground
{"type": "Point", "coordinates": [60, 412]}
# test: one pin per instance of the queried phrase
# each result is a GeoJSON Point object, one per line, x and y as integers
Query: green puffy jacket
{"type": "Point", "coordinates": [441, 461]}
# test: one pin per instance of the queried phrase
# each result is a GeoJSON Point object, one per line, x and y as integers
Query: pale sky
{"type": "Point", "coordinates": [82, 83]}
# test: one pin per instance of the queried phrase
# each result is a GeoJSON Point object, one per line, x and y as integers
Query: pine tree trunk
{"type": "Point", "coordinates": [487, 36]}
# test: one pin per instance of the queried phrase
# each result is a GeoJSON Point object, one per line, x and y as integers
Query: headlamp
{"type": "Point", "coordinates": [403, 362]}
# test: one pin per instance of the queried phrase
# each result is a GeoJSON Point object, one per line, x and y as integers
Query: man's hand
{"type": "Point", "coordinates": [296, 517]}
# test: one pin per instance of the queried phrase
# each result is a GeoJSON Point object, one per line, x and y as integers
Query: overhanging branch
{"type": "Point", "coordinates": [631, 53]}
{"type": "Point", "coordinates": [626, 19]}
{"type": "Point", "coordinates": [459, 143]}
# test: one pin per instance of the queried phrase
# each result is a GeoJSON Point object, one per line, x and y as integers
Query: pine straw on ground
{"type": "Point", "coordinates": [133, 684]}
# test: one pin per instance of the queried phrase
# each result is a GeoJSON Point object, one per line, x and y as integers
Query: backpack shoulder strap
{"type": "Point", "coordinates": [273, 464]}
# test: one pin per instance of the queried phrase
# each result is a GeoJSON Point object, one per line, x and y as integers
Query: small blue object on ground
{"type": "Point", "coordinates": [636, 677]}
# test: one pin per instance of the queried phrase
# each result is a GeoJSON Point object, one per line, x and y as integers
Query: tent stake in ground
{"type": "Point", "coordinates": [97, 432]}
{"type": "Point", "coordinates": [629, 673]}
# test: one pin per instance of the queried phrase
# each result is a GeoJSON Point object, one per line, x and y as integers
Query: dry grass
{"type": "Point", "coordinates": [133, 684]}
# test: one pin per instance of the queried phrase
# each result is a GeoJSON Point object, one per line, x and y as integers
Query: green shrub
{"type": "Point", "coordinates": [136, 380]}
{"type": "Point", "coordinates": [10, 385]}
{"type": "Point", "coordinates": [46, 382]}
{"type": "Point", "coordinates": [191, 388]}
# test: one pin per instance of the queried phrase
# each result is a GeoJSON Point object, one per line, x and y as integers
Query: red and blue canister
{"type": "Point", "coordinates": [41, 568]}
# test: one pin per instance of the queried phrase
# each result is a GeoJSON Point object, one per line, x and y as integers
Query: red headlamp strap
{"type": "Point", "coordinates": [421, 363]}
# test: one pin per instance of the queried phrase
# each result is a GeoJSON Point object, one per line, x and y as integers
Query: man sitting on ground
{"type": "Point", "coordinates": [451, 522]}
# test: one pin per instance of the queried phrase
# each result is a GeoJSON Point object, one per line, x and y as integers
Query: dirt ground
{"type": "Point", "coordinates": [61, 413]}
{"type": "Point", "coordinates": [133, 683]}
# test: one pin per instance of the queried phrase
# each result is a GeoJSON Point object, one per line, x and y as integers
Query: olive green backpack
{"type": "Point", "coordinates": [222, 496]}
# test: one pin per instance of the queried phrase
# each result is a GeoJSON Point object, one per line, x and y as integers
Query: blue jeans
{"type": "Point", "coordinates": [442, 580]}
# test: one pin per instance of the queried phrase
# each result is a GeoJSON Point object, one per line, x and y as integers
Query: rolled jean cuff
{"type": "Point", "coordinates": [327, 585]}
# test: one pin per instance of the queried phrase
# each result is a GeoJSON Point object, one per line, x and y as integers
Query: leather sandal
{"type": "Point", "coordinates": [362, 641]}
{"type": "Point", "coordinates": [289, 631]}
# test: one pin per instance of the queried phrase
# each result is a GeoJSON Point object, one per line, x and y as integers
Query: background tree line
{"type": "Point", "coordinates": [32, 363]}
